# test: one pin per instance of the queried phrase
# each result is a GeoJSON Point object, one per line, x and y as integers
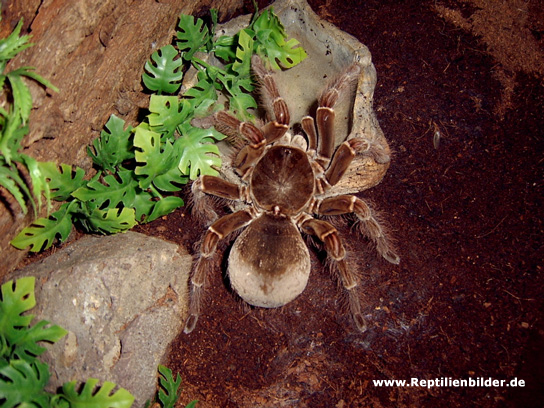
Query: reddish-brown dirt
{"type": "Point", "coordinates": [466, 211]}
{"type": "Point", "coordinates": [463, 196]}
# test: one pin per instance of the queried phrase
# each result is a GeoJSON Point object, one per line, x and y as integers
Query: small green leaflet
{"type": "Point", "coordinates": [22, 100]}
{"type": "Point", "coordinates": [16, 298]}
{"type": "Point", "coordinates": [224, 48]}
{"type": "Point", "coordinates": [163, 207]}
{"type": "Point", "coordinates": [202, 95]}
{"type": "Point", "coordinates": [113, 147]}
{"type": "Point", "coordinates": [15, 185]}
{"type": "Point", "coordinates": [153, 157]}
{"type": "Point", "coordinates": [42, 233]}
{"type": "Point", "coordinates": [11, 133]}
{"type": "Point", "coordinates": [23, 384]}
{"type": "Point", "coordinates": [39, 183]}
{"type": "Point", "coordinates": [93, 396]}
{"type": "Point", "coordinates": [167, 112]}
{"type": "Point", "coordinates": [62, 182]}
{"type": "Point", "coordinates": [113, 191]}
{"type": "Point", "coordinates": [13, 44]}
{"type": "Point", "coordinates": [242, 63]}
{"type": "Point", "coordinates": [192, 36]}
{"type": "Point", "coordinates": [270, 42]}
{"type": "Point", "coordinates": [109, 221]}
{"type": "Point", "coordinates": [22, 339]}
{"type": "Point", "coordinates": [164, 76]}
{"type": "Point", "coordinates": [199, 153]}
{"type": "Point", "coordinates": [169, 388]}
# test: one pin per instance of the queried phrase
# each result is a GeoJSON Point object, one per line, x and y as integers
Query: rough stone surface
{"type": "Point", "coordinates": [122, 298]}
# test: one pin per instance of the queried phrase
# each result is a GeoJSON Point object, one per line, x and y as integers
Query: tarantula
{"type": "Point", "coordinates": [284, 181]}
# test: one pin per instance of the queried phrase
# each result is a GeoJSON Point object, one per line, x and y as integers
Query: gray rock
{"type": "Point", "coordinates": [122, 298]}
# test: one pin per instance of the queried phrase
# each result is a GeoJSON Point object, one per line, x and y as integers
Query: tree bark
{"type": "Point", "coordinates": [94, 52]}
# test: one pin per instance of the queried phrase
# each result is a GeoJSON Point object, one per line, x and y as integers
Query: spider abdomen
{"type": "Point", "coordinates": [269, 264]}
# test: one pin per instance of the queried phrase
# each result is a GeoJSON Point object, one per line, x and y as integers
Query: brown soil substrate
{"type": "Point", "coordinates": [463, 197]}
{"type": "Point", "coordinates": [466, 211]}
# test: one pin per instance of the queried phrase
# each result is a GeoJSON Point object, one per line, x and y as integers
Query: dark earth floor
{"type": "Point", "coordinates": [466, 210]}
{"type": "Point", "coordinates": [460, 99]}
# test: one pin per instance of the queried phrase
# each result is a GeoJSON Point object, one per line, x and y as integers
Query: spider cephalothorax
{"type": "Point", "coordinates": [284, 181]}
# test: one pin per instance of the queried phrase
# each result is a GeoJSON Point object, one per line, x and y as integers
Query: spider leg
{"type": "Point", "coordinates": [217, 231]}
{"type": "Point", "coordinates": [221, 188]}
{"type": "Point", "coordinates": [215, 186]}
{"type": "Point", "coordinates": [334, 247]}
{"type": "Point", "coordinates": [340, 162]}
{"type": "Point", "coordinates": [250, 153]}
{"type": "Point", "coordinates": [275, 129]}
{"type": "Point", "coordinates": [369, 224]}
{"type": "Point", "coordinates": [371, 148]}
{"type": "Point", "coordinates": [324, 119]}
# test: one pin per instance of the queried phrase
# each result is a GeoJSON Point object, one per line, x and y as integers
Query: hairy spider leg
{"type": "Point", "coordinates": [217, 231]}
{"type": "Point", "coordinates": [369, 224]}
{"type": "Point", "coordinates": [335, 249]}
{"type": "Point", "coordinates": [205, 185]}
{"type": "Point", "coordinates": [249, 154]}
{"type": "Point", "coordinates": [270, 94]}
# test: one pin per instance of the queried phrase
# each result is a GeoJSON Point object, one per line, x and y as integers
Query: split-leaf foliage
{"type": "Point", "coordinates": [140, 169]}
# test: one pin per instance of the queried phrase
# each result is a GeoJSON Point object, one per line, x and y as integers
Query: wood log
{"type": "Point", "coordinates": [94, 52]}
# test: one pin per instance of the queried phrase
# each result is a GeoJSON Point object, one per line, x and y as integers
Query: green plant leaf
{"type": "Point", "coordinates": [244, 51]}
{"type": "Point", "coordinates": [15, 185]}
{"type": "Point", "coordinates": [270, 42]}
{"type": "Point", "coordinates": [114, 190]}
{"type": "Point", "coordinates": [164, 207]}
{"type": "Point", "coordinates": [199, 155]}
{"type": "Point", "coordinates": [93, 396]}
{"type": "Point", "coordinates": [29, 72]}
{"type": "Point", "coordinates": [192, 36]}
{"type": "Point", "coordinates": [114, 145]}
{"type": "Point", "coordinates": [13, 44]}
{"type": "Point", "coordinates": [225, 48]}
{"type": "Point", "coordinates": [170, 181]}
{"type": "Point", "coordinates": [21, 338]}
{"type": "Point", "coordinates": [241, 102]}
{"type": "Point", "coordinates": [26, 344]}
{"type": "Point", "coordinates": [62, 181]}
{"type": "Point", "coordinates": [17, 298]}
{"type": "Point", "coordinates": [109, 221]}
{"type": "Point", "coordinates": [38, 181]}
{"type": "Point", "coordinates": [153, 157]}
{"type": "Point", "coordinates": [41, 234]}
{"type": "Point", "coordinates": [144, 202]}
{"type": "Point", "coordinates": [22, 384]}
{"type": "Point", "coordinates": [22, 100]}
{"type": "Point", "coordinates": [165, 74]}
{"type": "Point", "coordinates": [11, 133]}
{"type": "Point", "coordinates": [202, 95]}
{"type": "Point", "coordinates": [167, 112]}
{"type": "Point", "coordinates": [169, 388]}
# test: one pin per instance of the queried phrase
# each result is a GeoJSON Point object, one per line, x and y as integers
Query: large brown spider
{"type": "Point", "coordinates": [284, 181]}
